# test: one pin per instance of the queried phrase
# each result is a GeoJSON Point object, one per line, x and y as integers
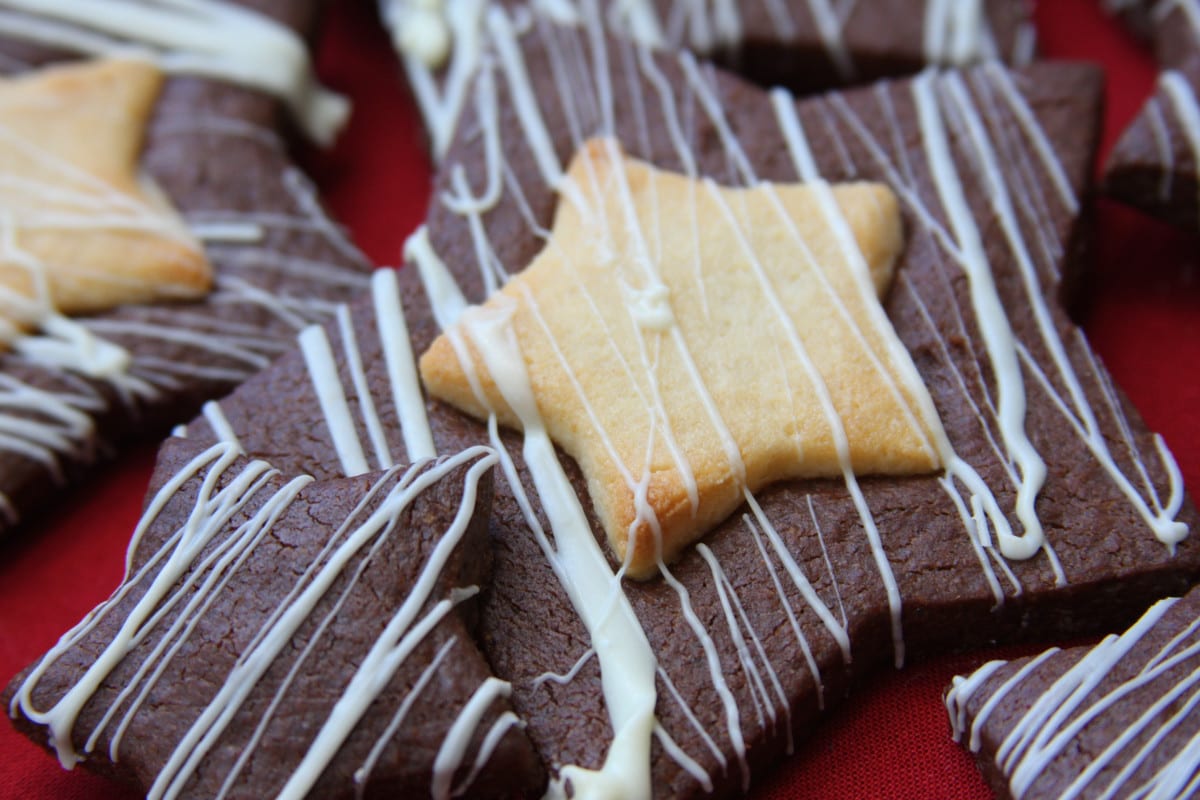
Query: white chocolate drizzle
{"type": "Point", "coordinates": [209, 38]}
{"type": "Point", "coordinates": [441, 42]}
{"type": "Point", "coordinates": [1138, 757]}
{"type": "Point", "coordinates": [47, 409]}
{"type": "Point", "coordinates": [202, 559]}
{"type": "Point", "coordinates": [961, 137]}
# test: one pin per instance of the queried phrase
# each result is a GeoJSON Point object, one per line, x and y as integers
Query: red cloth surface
{"type": "Point", "coordinates": [1140, 308]}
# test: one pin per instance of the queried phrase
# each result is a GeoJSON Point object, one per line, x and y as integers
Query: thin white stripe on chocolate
{"type": "Point", "coordinates": [454, 746]}
{"type": "Point", "coordinates": [954, 31]}
{"type": "Point", "coordinates": [1075, 703]}
{"type": "Point", "coordinates": [327, 384]}
{"type": "Point", "coordinates": [401, 366]}
{"type": "Point", "coordinates": [986, 136]}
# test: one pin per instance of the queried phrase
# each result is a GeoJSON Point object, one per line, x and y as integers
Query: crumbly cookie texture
{"type": "Point", "coordinates": [686, 342]}
{"type": "Point", "coordinates": [1115, 719]}
{"type": "Point", "coordinates": [82, 230]}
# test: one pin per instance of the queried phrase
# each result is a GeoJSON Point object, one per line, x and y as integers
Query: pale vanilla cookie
{"type": "Point", "coordinates": [686, 342]}
{"type": "Point", "coordinates": [82, 230]}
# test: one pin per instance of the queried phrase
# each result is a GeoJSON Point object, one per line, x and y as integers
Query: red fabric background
{"type": "Point", "coordinates": [1141, 310]}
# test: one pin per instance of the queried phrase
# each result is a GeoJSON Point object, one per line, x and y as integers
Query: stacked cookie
{"type": "Point", "coordinates": [774, 393]}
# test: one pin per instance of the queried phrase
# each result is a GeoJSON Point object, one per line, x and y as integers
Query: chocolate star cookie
{"type": "Point", "coordinates": [1047, 507]}
{"type": "Point", "coordinates": [280, 636]}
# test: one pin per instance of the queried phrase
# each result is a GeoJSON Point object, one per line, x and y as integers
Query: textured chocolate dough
{"type": "Point", "coordinates": [783, 44]}
{"type": "Point", "coordinates": [779, 662]}
{"type": "Point", "coordinates": [806, 46]}
{"type": "Point", "coordinates": [1114, 717]}
{"type": "Point", "coordinates": [214, 150]}
{"type": "Point", "coordinates": [1155, 167]}
{"type": "Point", "coordinates": [155, 699]}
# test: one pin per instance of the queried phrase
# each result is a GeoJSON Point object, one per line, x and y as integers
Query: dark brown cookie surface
{"type": "Point", "coordinates": [805, 590]}
{"type": "Point", "coordinates": [1113, 720]}
{"type": "Point", "coordinates": [804, 45]}
{"type": "Point", "coordinates": [1155, 166]}
{"type": "Point", "coordinates": [214, 150]}
{"type": "Point", "coordinates": [279, 634]}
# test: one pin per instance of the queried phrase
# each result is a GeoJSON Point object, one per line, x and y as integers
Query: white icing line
{"type": "Point", "coordinates": [221, 428]}
{"type": "Point", "coordinates": [363, 773]}
{"type": "Point", "coordinates": [322, 369]}
{"type": "Point", "coordinates": [445, 298]}
{"type": "Point", "coordinates": [993, 323]}
{"type": "Point", "coordinates": [404, 631]}
{"type": "Point", "coordinates": [401, 367]}
{"type": "Point", "coordinates": [366, 404]}
{"type": "Point", "coordinates": [454, 745]}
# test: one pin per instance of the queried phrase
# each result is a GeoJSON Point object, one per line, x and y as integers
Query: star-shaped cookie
{"type": "Point", "coordinates": [82, 231]}
{"type": "Point", "coordinates": [1057, 510]}
{"type": "Point", "coordinates": [687, 342]}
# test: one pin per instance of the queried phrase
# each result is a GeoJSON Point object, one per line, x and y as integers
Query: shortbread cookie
{"type": "Point", "coordinates": [279, 636]}
{"type": "Point", "coordinates": [1114, 720]}
{"type": "Point", "coordinates": [1054, 511]}
{"type": "Point", "coordinates": [82, 232]}
{"type": "Point", "coordinates": [667, 282]}
{"type": "Point", "coordinates": [805, 45]}
{"type": "Point", "coordinates": [74, 393]}
{"type": "Point", "coordinates": [1155, 166]}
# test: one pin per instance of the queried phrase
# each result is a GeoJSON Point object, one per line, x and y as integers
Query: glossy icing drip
{"type": "Point", "coordinates": [210, 38]}
{"type": "Point", "coordinates": [195, 565]}
{"type": "Point", "coordinates": [1134, 759]}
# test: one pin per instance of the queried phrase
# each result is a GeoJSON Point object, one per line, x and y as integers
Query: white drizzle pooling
{"type": "Point", "coordinates": [199, 561]}
{"type": "Point", "coordinates": [211, 38]}
{"type": "Point", "coordinates": [1162, 683]}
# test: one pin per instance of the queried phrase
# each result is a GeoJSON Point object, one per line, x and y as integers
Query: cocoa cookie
{"type": "Point", "coordinates": [804, 45]}
{"type": "Point", "coordinates": [213, 154]}
{"type": "Point", "coordinates": [280, 636]}
{"type": "Point", "coordinates": [1052, 508]}
{"type": "Point", "coordinates": [1115, 719]}
{"type": "Point", "coordinates": [1155, 166]}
